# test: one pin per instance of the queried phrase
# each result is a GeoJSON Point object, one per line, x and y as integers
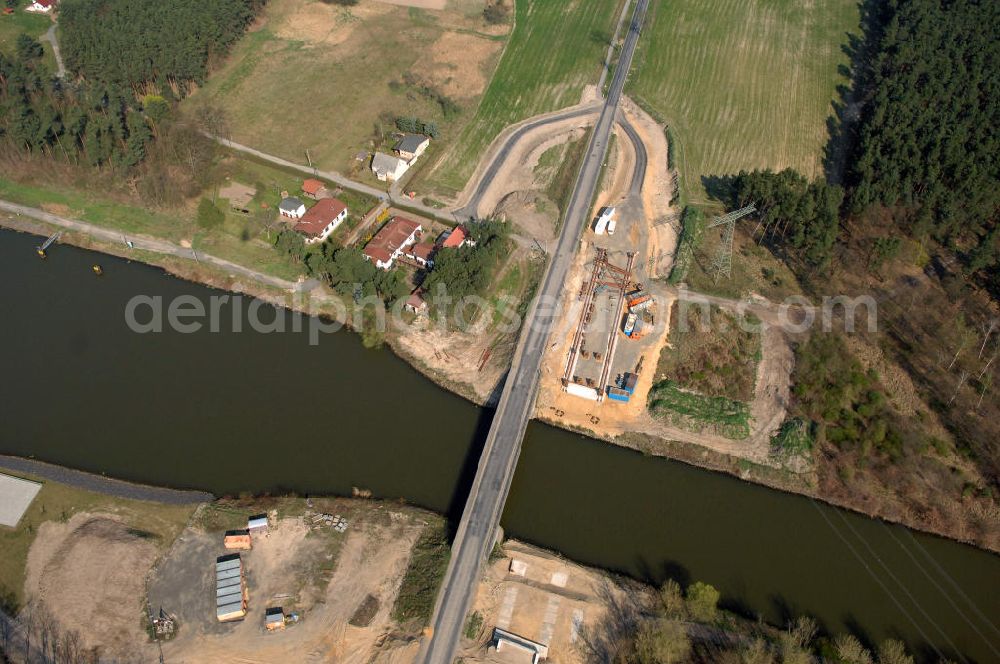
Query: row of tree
{"type": "Point", "coordinates": [129, 43]}
{"type": "Point", "coordinates": [469, 270]}
{"type": "Point", "coordinates": [793, 214]}
{"type": "Point", "coordinates": [689, 627]}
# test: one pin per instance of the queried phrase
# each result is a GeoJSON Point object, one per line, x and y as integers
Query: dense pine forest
{"type": "Point", "coordinates": [128, 63]}
{"type": "Point", "coordinates": [128, 43]}
{"type": "Point", "coordinates": [929, 140]}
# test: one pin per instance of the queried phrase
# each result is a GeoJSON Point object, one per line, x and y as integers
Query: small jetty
{"type": "Point", "coordinates": [48, 243]}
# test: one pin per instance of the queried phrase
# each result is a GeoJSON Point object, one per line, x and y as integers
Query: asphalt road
{"type": "Point", "coordinates": [478, 527]}
{"type": "Point", "coordinates": [470, 208]}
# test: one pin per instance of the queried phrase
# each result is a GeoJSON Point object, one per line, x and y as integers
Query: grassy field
{"type": "Point", "coordinates": [743, 83]}
{"type": "Point", "coordinates": [319, 77]}
{"type": "Point", "coordinates": [58, 502]}
{"type": "Point", "coordinates": [32, 24]}
{"type": "Point", "coordinates": [558, 47]}
{"type": "Point", "coordinates": [697, 412]}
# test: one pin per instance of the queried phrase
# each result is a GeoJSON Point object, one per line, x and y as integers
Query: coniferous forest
{"type": "Point", "coordinates": [127, 43]}
{"type": "Point", "coordinates": [929, 139]}
{"type": "Point", "coordinates": [128, 62]}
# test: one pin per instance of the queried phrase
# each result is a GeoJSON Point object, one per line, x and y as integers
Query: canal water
{"type": "Point", "coordinates": [230, 412]}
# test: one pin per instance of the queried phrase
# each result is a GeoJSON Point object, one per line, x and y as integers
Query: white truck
{"type": "Point", "coordinates": [603, 220]}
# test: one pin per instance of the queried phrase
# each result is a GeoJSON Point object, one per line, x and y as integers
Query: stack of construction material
{"type": "Point", "coordinates": [230, 588]}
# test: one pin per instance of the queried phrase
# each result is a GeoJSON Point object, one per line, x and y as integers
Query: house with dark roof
{"type": "Point", "coordinates": [391, 241]}
{"type": "Point", "coordinates": [291, 207]}
{"type": "Point", "coordinates": [411, 146]}
{"type": "Point", "coordinates": [321, 219]}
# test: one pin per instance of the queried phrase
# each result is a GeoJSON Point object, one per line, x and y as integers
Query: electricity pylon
{"type": "Point", "coordinates": [722, 265]}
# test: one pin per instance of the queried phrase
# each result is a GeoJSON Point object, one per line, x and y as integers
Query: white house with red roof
{"type": "Point", "coordinates": [41, 6]}
{"type": "Point", "coordinates": [390, 242]}
{"type": "Point", "coordinates": [321, 219]}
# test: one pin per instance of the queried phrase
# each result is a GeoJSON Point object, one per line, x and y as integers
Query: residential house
{"type": "Point", "coordinates": [422, 253]}
{"type": "Point", "coordinates": [411, 146]}
{"type": "Point", "coordinates": [41, 6]}
{"type": "Point", "coordinates": [388, 168]}
{"type": "Point", "coordinates": [391, 241]}
{"type": "Point", "coordinates": [416, 303]}
{"type": "Point", "coordinates": [291, 207]}
{"type": "Point", "coordinates": [314, 189]}
{"type": "Point", "coordinates": [455, 238]}
{"type": "Point", "coordinates": [322, 219]}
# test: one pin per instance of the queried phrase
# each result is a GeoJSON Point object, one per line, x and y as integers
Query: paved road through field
{"type": "Point", "coordinates": [477, 529]}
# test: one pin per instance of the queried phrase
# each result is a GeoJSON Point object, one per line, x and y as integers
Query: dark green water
{"type": "Point", "coordinates": [230, 412]}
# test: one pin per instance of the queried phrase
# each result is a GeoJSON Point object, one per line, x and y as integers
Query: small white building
{"type": "Point", "coordinates": [388, 168]}
{"type": "Point", "coordinates": [516, 648]}
{"type": "Point", "coordinates": [257, 525]}
{"type": "Point", "coordinates": [291, 207]}
{"type": "Point", "coordinates": [603, 220]}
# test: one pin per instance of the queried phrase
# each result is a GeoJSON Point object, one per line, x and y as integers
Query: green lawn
{"type": "Point", "coordinates": [77, 204]}
{"type": "Point", "coordinates": [32, 24]}
{"type": "Point", "coordinates": [558, 47]}
{"type": "Point", "coordinates": [743, 83]}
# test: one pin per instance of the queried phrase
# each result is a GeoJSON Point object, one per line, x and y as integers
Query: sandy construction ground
{"type": "Point", "coordinates": [281, 571]}
{"type": "Point", "coordinates": [538, 595]}
{"type": "Point", "coordinates": [655, 247]}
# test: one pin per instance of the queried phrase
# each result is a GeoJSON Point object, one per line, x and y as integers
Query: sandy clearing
{"type": "Point", "coordinates": [320, 24]}
{"type": "Point", "coordinates": [420, 4]}
{"type": "Point", "coordinates": [89, 574]}
{"type": "Point", "coordinates": [556, 602]}
{"type": "Point", "coordinates": [454, 64]}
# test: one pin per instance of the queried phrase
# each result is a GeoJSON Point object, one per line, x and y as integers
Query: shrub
{"type": "Point", "coordinates": [209, 216]}
{"type": "Point", "coordinates": [702, 602]}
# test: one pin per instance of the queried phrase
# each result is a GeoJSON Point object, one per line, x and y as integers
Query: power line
{"type": "Point", "coordinates": [722, 265]}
